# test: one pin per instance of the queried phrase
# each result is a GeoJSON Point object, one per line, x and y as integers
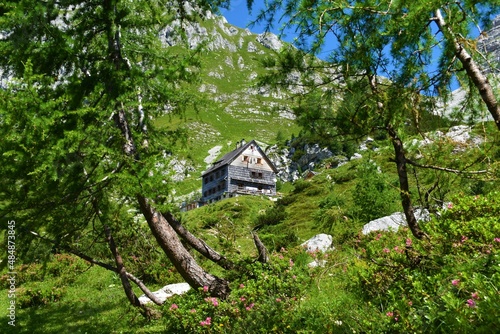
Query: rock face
{"type": "Point", "coordinates": [270, 41]}
{"type": "Point", "coordinates": [289, 166]}
{"type": "Point", "coordinates": [394, 221]}
{"type": "Point", "coordinates": [490, 41]}
{"type": "Point", "coordinates": [166, 292]}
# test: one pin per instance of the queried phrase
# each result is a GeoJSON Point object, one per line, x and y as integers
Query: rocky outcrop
{"type": "Point", "coordinates": [490, 44]}
{"type": "Point", "coordinates": [459, 136]}
{"type": "Point", "coordinates": [394, 221]}
{"type": "Point", "coordinates": [319, 243]}
{"type": "Point", "coordinates": [270, 41]}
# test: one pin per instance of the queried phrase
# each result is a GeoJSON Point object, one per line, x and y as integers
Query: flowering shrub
{"type": "Point", "coordinates": [448, 282]}
{"type": "Point", "coordinates": [389, 282]}
{"type": "Point", "coordinates": [263, 297]}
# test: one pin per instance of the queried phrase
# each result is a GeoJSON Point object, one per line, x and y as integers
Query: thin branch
{"type": "Point", "coordinates": [144, 289]}
{"type": "Point", "coordinates": [445, 169]}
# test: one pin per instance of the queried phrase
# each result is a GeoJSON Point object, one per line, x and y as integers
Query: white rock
{"type": "Point", "coordinates": [270, 41]}
{"type": "Point", "coordinates": [356, 156]}
{"type": "Point", "coordinates": [317, 263]}
{"type": "Point", "coordinates": [459, 133]}
{"type": "Point", "coordinates": [320, 242]}
{"type": "Point", "coordinates": [166, 292]}
{"type": "Point", "coordinates": [212, 154]}
{"type": "Point", "coordinates": [394, 221]}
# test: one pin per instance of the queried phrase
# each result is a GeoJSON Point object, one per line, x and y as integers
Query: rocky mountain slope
{"type": "Point", "coordinates": [236, 108]}
{"type": "Point", "coordinates": [490, 44]}
{"type": "Point", "coordinates": [239, 109]}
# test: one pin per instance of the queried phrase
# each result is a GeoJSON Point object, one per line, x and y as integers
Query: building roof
{"type": "Point", "coordinates": [228, 158]}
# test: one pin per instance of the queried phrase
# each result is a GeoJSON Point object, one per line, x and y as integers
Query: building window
{"type": "Point", "coordinates": [259, 161]}
{"type": "Point", "coordinates": [260, 175]}
{"type": "Point", "coordinates": [245, 158]}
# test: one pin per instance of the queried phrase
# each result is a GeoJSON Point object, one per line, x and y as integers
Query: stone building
{"type": "Point", "coordinates": [246, 170]}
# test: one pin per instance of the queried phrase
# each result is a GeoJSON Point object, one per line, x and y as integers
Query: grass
{"type": "Point", "coordinates": [93, 303]}
{"type": "Point", "coordinates": [231, 113]}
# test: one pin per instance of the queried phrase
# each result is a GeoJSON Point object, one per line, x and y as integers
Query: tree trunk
{"type": "Point", "coordinates": [197, 243]}
{"type": "Point", "coordinates": [165, 235]}
{"type": "Point", "coordinates": [121, 269]}
{"type": "Point", "coordinates": [404, 188]}
{"type": "Point", "coordinates": [473, 71]}
{"type": "Point", "coordinates": [183, 261]}
{"type": "Point", "coordinates": [144, 289]}
{"type": "Point", "coordinates": [263, 255]}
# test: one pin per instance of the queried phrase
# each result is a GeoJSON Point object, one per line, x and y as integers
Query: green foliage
{"type": "Point", "coordinates": [375, 194]}
{"type": "Point", "coordinates": [262, 299]}
{"type": "Point", "coordinates": [331, 217]}
{"type": "Point", "coordinates": [42, 284]}
{"type": "Point", "coordinates": [39, 295]}
{"type": "Point", "coordinates": [273, 216]}
{"type": "Point", "coordinates": [445, 284]}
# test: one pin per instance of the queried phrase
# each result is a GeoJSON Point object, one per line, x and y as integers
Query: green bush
{"type": "Point", "coordinates": [273, 216]}
{"type": "Point", "coordinates": [39, 294]}
{"type": "Point", "coordinates": [375, 195]}
{"type": "Point", "coordinates": [446, 283]}
{"type": "Point", "coordinates": [263, 299]}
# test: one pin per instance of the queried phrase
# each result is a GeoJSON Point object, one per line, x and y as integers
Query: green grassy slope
{"type": "Point", "coordinates": [234, 108]}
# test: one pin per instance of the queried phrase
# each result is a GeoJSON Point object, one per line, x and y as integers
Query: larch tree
{"type": "Point", "coordinates": [388, 61]}
{"type": "Point", "coordinates": [82, 82]}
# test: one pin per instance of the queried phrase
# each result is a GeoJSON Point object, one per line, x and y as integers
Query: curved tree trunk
{"type": "Point", "coordinates": [121, 269]}
{"type": "Point", "coordinates": [182, 260]}
{"type": "Point", "coordinates": [165, 235]}
{"type": "Point", "coordinates": [197, 243]}
{"type": "Point", "coordinates": [473, 71]}
{"type": "Point", "coordinates": [400, 160]}
{"type": "Point", "coordinates": [261, 248]}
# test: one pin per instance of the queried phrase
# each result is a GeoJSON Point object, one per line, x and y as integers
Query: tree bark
{"type": "Point", "coordinates": [121, 269]}
{"type": "Point", "coordinates": [480, 81]}
{"type": "Point", "coordinates": [165, 235]}
{"type": "Point", "coordinates": [144, 289]}
{"type": "Point", "coordinates": [404, 188]}
{"type": "Point", "coordinates": [183, 261]}
{"type": "Point", "coordinates": [197, 243]}
{"type": "Point", "coordinates": [263, 255]}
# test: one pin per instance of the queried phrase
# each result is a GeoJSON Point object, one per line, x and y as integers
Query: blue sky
{"type": "Point", "coordinates": [239, 16]}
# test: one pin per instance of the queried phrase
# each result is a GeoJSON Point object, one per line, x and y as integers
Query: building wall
{"type": "Point", "coordinates": [251, 180]}
{"type": "Point", "coordinates": [214, 184]}
{"type": "Point", "coordinates": [252, 158]}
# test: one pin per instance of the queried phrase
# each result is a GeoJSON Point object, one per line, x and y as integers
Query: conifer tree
{"type": "Point", "coordinates": [82, 82]}
{"type": "Point", "coordinates": [389, 61]}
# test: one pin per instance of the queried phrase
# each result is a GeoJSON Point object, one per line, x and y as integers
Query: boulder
{"type": "Point", "coordinates": [394, 221]}
{"type": "Point", "coordinates": [321, 242]}
{"type": "Point", "coordinates": [166, 292]}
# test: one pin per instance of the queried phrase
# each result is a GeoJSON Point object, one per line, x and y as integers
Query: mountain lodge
{"type": "Point", "coordinates": [245, 170]}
